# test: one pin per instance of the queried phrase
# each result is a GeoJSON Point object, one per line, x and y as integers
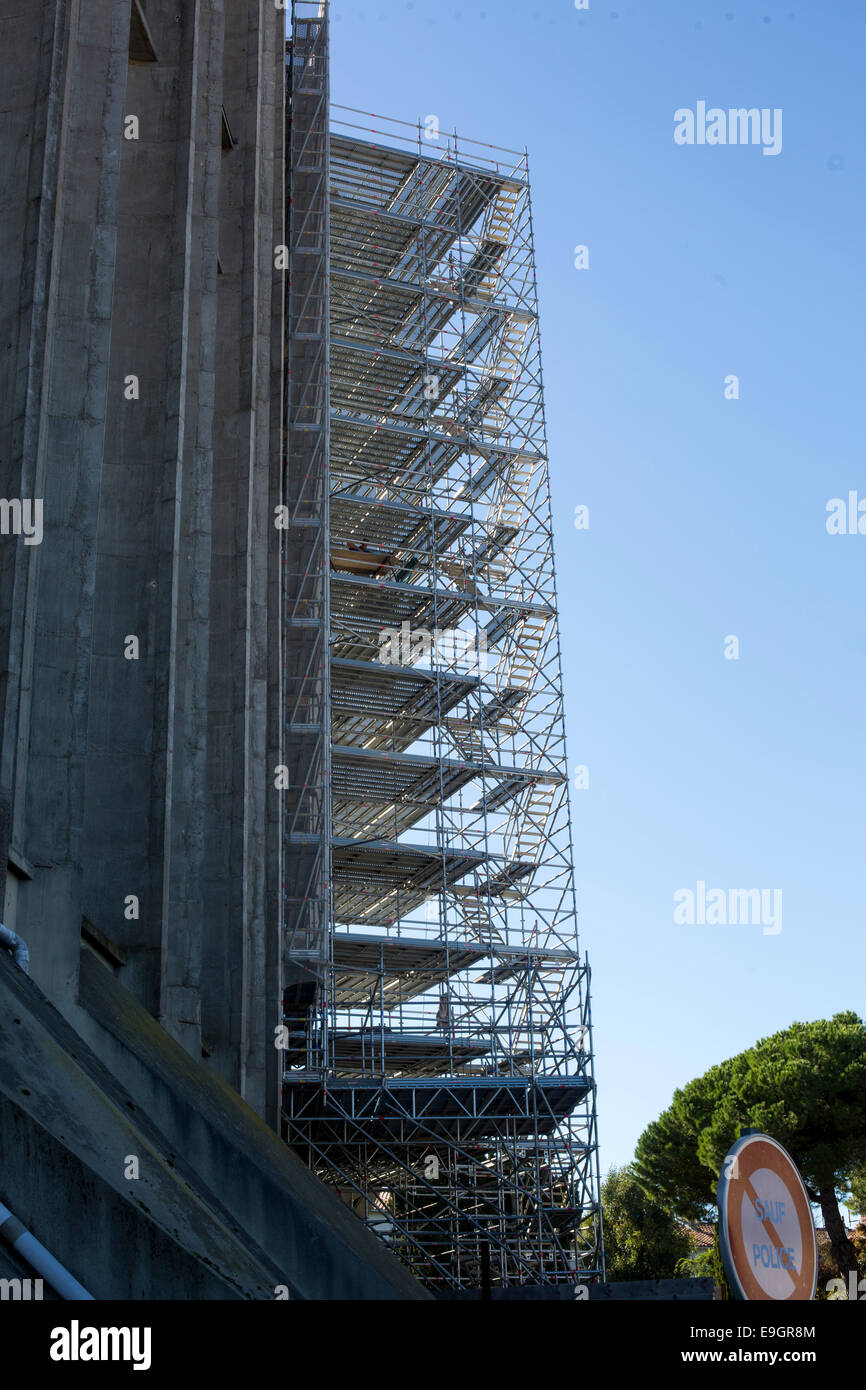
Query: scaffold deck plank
{"type": "Point", "coordinates": [460, 1109]}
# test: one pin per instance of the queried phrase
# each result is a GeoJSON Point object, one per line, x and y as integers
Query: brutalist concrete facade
{"type": "Point", "coordinates": [141, 198]}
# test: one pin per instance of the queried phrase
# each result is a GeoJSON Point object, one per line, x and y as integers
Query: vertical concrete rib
{"type": "Point", "coordinates": [149, 258]}
{"type": "Point", "coordinates": [57, 441]}
{"type": "Point", "coordinates": [242, 940]}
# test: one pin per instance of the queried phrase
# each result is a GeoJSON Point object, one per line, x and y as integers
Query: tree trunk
{"type": "Point", "coordinates": [843, 1251]}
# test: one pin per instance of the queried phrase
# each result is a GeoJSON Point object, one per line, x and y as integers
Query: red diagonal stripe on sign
{"type": "Point", "coordinates": [766, 1222]}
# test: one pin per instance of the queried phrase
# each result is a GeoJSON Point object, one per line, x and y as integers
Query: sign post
{"type": "Point", "coordinates": [766, 1231]}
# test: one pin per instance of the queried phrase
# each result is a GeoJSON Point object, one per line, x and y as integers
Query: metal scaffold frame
{"type": "Point", "coordinates": [436, 1017]}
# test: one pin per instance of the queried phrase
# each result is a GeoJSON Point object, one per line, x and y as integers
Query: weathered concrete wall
{"type": "Point", "coordinates": [13, 1267]}
{"type": "Point", "coordinates": [221, 1208]}
{"type": "Point", "coordinates": [146, 778]}
{"type": "Point", "coordinates": [147, 756]}
{"type": "Point", "coordinates": [65, 66]}
{"type": "Point", "coordinates": [67, 1132]}
{"type": "Point", "coordinates": [241, 991]}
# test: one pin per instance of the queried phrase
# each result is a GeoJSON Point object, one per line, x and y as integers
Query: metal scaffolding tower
{"type": "Point", "coordinates": [436, 1017]}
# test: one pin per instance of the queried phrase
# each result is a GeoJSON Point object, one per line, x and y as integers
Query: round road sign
{"type": "Point", "coordinates": [766, 1231]}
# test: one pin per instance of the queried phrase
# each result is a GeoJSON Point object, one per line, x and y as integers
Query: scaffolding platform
{"type": "Point", "coordinates": [385, 1051]}
{"type": "Point", "coordinates": [372, 789]}
{"type": "Point", "coordinates": [381, 706]}
{"type": "Point", "coordinates": [380, 882]}
{"type": "Point", "coordinates": [395, 968]}
{"type": "Point", "coordinates": [459, 1109]}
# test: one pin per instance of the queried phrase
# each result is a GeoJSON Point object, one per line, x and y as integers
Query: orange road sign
{"type": "Point", "coordinates": [766, 1231]}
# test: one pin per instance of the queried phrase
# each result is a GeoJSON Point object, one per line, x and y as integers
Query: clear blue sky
{"type": "Point", "coordinates": [707, 516]}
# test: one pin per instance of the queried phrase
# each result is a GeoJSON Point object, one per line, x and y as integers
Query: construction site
{"type": "Point", "coordinates": [295, 1003]}
{"type": "Point", "coordinates": [292, 1003]}
{"type": "Point", "coordinates": [437, 1037]}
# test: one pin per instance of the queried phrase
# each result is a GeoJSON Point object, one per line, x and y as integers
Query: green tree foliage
{"type": "Point", "coordinates": [805, 1086]}
{"type": "Point", "coordinates": [668, 1168]}
{"type": "Point", "coordinates": [706, 1264]}
{"type": "Point", "coordinates": [857, 1200]}
{"type": "Point", "coordinates": [642, 1239]}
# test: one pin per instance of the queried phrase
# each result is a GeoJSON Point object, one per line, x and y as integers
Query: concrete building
{"type": "Point", "coordinates": [143, 194]}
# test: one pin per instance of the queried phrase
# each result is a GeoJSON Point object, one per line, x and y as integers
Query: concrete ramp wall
{"type": "Point", "coordinates": [82, 1098]}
